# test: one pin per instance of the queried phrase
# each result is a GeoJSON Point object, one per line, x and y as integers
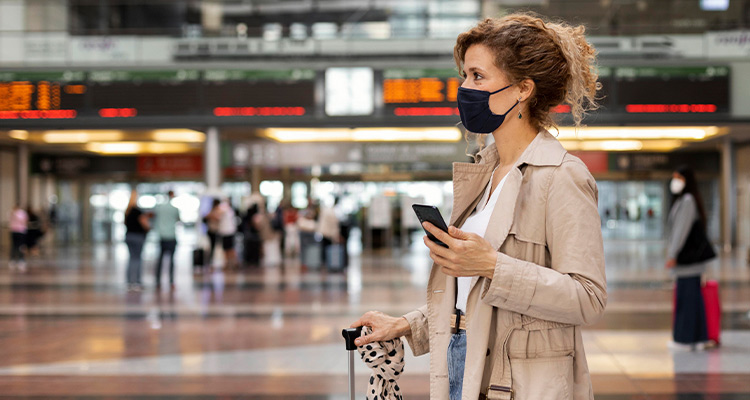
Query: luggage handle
{"type": "Point", "coordinates": [350, 334]}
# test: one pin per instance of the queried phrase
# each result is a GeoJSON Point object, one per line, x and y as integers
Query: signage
{"type": "Point", "coordinates": [596, 161]}
{"type": "Point", "coordinates": [705, 162]}
{"type": "Point", "coordinates": [170, 166]}
{"type": "Point", "coordinates": [128, 94]}
{"type": "Point", "coordinates": [81, 165]}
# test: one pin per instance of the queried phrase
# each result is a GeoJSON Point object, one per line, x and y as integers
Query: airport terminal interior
{"type": "Point", "coordinates": [287, 140]}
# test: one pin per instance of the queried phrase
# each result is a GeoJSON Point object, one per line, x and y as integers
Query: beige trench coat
{"type": "Point", "coordinates": [523, 325]}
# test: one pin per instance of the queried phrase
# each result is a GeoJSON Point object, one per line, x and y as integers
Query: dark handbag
{"type": "Point", "coordinates": [697, 248]}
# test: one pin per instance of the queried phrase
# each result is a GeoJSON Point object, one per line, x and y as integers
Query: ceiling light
{"type": "Point", "coordinates": [19, 134]}
{"type": "Point", "coordinates": [450, 134]}
{"type": "Point", "coordinates": [639, 132]}
{"type": "Point", "coordinates": [178, 135]}
{"type": "Point", "coordinates": [138, 148]}
{"type": "Point", "coordinates": [82, 136]}
{"type": "Point", "coordinates": [622, 145]}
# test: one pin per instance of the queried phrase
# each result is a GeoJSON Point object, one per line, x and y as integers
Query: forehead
{"type": "Point", "coordinates": [480, 56]}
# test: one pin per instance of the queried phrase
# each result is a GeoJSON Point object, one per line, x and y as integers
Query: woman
{"type": "Point", "coordinates": [689, 330]}
{"type": "Point", "coordinates": [34, 233]}
{"type": "Point", "coordinates": [506, 300]}
{"type": "Point", "coordinates": [19, 221]}
{"type": "Point", "coordinates": [137, 225]}
{"type": "Point", "coordinates": [227, 231]}
{"type": "Point", "coordinates": [212, 220]}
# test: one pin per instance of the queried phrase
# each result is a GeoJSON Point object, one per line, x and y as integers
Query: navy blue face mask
{"type": "Point", "coordinates": [474, 107]}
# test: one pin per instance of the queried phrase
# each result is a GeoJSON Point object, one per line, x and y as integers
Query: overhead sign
{"type": "Point", "coordinates": [170, 166]}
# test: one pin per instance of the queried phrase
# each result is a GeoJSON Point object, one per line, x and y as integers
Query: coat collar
{"type": "Point", "coordinates": [544, 150]}
{"type": "Point", "coordinates": [470, 178]}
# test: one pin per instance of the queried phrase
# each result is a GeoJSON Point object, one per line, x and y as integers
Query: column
{"type": "Point", "coordinates": [728, 195]}
{"type": "Point", "coordinates": [286, 179]}
{"type": "Point", "coordinates": [23, 175]}
{"type": "Point", "coordinates": [212, 160]}
{"type": "Point", "coordinates": [256, 177]}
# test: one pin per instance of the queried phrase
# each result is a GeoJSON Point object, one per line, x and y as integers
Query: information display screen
{"type": "Point", "coordinates": [42, 95]}
{"type": "Point", "coordinates": [404, 93]}
{"type": "Point", "coordinates": [128, 94]}
{"type": "Point", "coordinates": [624, 90]}
{"type": "Point", "coordinates": [420, 92]}
{"type": "Point", "coordinates": [672, 89]}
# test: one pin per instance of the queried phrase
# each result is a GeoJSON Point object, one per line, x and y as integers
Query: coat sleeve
{"type": "Point", "coordinates": [573, 289]}
{"type": "Point", "coordinates": [419, 339]}
{"type": "Point", "coordinates": [684, 217]}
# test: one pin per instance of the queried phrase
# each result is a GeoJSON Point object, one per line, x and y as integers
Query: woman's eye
{"type": "Point", "coordinates": [477, 76]}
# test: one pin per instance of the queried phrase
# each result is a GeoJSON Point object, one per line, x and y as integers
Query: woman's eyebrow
{"type": "Point", "coordinates": [471, 69]}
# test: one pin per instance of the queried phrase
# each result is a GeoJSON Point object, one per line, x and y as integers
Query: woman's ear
{"type": "Point", "coordinates": [526, 87]}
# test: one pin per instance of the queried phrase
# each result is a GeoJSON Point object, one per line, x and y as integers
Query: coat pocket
{"type": "Point", "coordinates": [542, 378]}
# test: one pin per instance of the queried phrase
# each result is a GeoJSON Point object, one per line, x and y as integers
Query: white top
{"type": "Point", "coordinates": [228, 221]}
{"type": "Point", "coordinates": [477, 223]}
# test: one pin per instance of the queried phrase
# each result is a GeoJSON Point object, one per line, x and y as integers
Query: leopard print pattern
{"type": "Point", "coordinates": [387, 362]}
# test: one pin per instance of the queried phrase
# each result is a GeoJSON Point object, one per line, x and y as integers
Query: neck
{"type": "Point", "coordinates": [512, 138]}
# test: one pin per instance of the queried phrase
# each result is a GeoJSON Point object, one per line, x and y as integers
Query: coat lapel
{"type": "Point", "coordinates": [544, 150]}
{"type": "Point", "coordinates": [502, 216]}
{"type": "Point", "coordinates": [469, 180]}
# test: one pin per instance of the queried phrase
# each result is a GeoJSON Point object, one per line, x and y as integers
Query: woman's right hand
{"type": "Point", "coordinates": [384, 327]}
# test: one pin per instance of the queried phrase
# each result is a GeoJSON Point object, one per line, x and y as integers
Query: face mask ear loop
{"type": "Point", "coordinates": [500, 90]}
{"type": "Point", "coordinates": [509, 110]}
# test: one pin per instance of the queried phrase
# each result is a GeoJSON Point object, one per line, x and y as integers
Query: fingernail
{"type": "Point", "coordinates": [358, 342]}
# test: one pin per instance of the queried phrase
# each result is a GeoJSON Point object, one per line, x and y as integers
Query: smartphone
{"type": "Point", "coordinates": [432, 215]}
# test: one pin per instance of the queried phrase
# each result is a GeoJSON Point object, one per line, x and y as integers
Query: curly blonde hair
{"type": "Point", "coordinates": [556, 56]}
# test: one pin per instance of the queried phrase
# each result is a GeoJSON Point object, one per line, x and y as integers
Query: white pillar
{"type": "Point", "coordinates": [23, 175]}
{"type": "Point", "coordinates": [212, 160]}
{"type": "Point", "coordinates": [728, 195]}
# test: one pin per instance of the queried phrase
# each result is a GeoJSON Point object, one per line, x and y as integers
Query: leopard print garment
{"type": "Point", "coordinates": [387, 362]}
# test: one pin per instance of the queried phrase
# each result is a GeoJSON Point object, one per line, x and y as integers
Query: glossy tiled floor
{"type": "Point", "coordinates": [70, 329]}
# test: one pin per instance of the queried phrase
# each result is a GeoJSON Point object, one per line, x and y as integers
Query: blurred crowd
{"type": "Point", "coordinates": [228, 237]}
{"type": "Point", "coordinates": [232, 238]}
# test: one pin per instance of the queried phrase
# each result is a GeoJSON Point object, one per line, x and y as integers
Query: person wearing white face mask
{"type": "Point", "coordinates": [686, 230]}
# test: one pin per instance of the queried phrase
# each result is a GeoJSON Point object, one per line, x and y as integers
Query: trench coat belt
{"type": "Point", "coordinates": [501, 381]}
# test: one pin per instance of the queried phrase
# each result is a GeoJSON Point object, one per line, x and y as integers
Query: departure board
{"type": "Point", "coordinates": [41, 95]}
{"type": "Point", "coordinates": [416, 93]}
{"type": "Point", "coordinates": [420, 92]}
{"type": "Point", "coordinates": [624, 90]}
{"type": "Point", "coordinates": [130, 94]}
{"type": "Point", "coordinates": [674, 90]}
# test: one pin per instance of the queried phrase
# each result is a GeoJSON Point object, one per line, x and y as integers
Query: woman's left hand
{"type": "Point", "coordinates": [468, 254]}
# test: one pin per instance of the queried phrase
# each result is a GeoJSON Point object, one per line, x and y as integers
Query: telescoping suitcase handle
{"type": "Point", "coordinates": [349, 335]}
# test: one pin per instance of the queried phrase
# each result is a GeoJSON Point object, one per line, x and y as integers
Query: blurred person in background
{"type": "Point", "coordinates": [251, 242]}
{"type": "Point", "coordinates": [689, 330]}
{"type": "Point", "coordinates": [328, 228]}
{"type": "Point", "coordinates": [19, 221]}
{"type": "Point", "coordinates": [270, 248]}
{"type": "Point", "coordinates": [277, 223]}
{"type": "Point", "coordinates": [291, 243]}
{"type": "Point", "coordinates": [167, 216]}
{"type": "Point", "coordinates": [35, 232]}
{"type": "Point", "coordinates": [137, 224]}
{"type": "Point", "coordinates": [507, 297]}
{"type": "Point", "coordinates": [228, 230]}
{"type": "Point", "coordinates": [212, 220]}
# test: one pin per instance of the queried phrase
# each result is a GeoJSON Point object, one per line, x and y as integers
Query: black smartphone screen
{"type": "Point", "coordinates": [432, 215]}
